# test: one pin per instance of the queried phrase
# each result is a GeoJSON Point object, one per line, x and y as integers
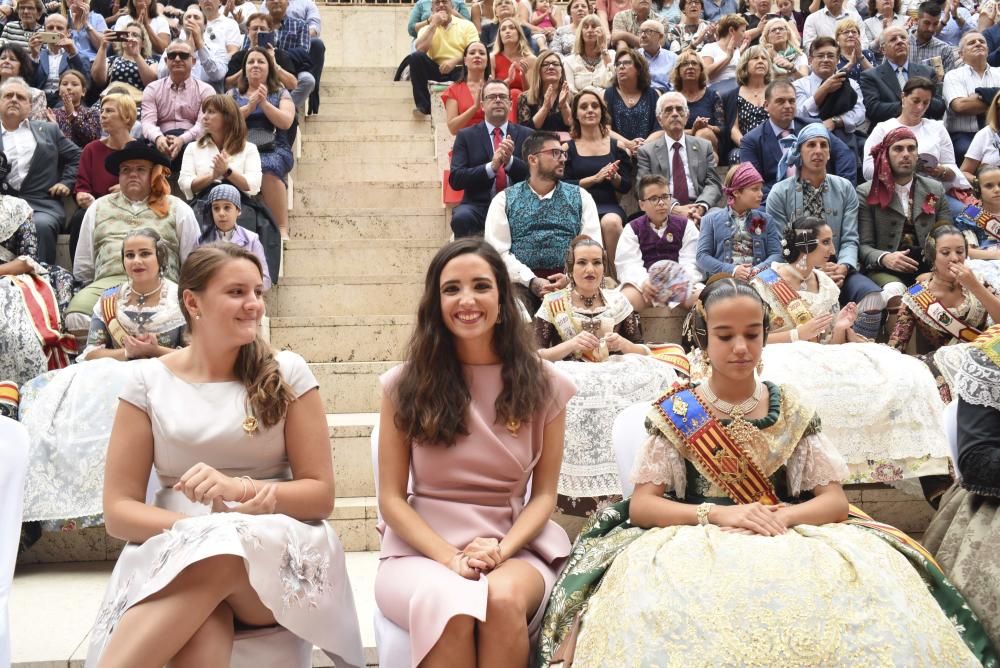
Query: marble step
{"type": "Point", "coordinates": [348, 167]}
{"type": "Point", "coordinates": [53, 606]}
{"type": "Point", "coordinates": [356, 75]}
{"type": "Point", "coordinates": [358, 257]}
{"type": "Point", "coordinates": [344, 338]}
{"type": "Point", "coordinates": [308, 296]}
{"type": "Point", "coordinates": [332, 146]}
{"type": "Point", "coordinates": [378, 89]}
{"type": "Point", "coordinates": [361, 109]}
{"type": "Point", "coordinates": [403, 123]}
{"type": "Point", "coordinates": [350, 387]}
{"type": "Point", "coordinates": [369, 194]}
{"type": "Point", "coordinates": [350, 442]}
{"type": "Point", "coordinates": [425, 224]}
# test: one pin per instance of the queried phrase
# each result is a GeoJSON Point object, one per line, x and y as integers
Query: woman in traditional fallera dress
{"type": "Point", "coordinates": [728, 568]}
{"type": "Point", "coordinates": [231, 539]}
{"type": "Point", "coordinates": [593, 335]}
{"type": "Point", "coordinates": [467, 560]}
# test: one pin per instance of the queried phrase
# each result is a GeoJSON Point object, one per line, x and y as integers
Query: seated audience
{"type": "Point", "coordinates": [505, 9]}
{"type": "Point", "coordinates": [545, 16]}
{"type": "Point", "coordinates": [688, 162]}
{"type": "Point", "coordinates": [597, 164]}
{"type": "Point", "coordinates": [486, 159]}
{"type": "Point", "coordinates": [144, 194]}
{"type": "Point", "coordinates": [289, 51]}
{"type": "Point", "coordinates": [660, 61]}
{"type": "Point", "coordinates": [627, 24]}
{"type": "Point", "coordinates": [925, 47]}
{"type": "Point", "coordinates": [43, 164]}
{"type": "Point", "coordinates": [898, 209]}
{"type": "Point", "coordinates": [787, 59]}
{"type": "Point", "coordinates": [93, 180]}
{"type": "Point", "coordinates": [882, 86]}
{"type": "Point", "coordinates": [29, 17]}
{"type": "Point", "coordinates": [437, 52]}
{"type": "Point", "coordinates": [131, 62]}
{"type": "Point", "coordinates": [741, 239]}
{"type": "Point", "coordinates": [631, 100]}
{"type": "Point", "coordinates": [85, 27]}
{"type": "Point", "coordinates": [16, 63]}
{"type": "Point", "coordinates": [882, 15]}
{"type": "Point", "coordinates": [706, 116]}
{"type": "Point", "coordinates": [512, 58]}
{"type": "Point", "coordinates": [744, 106]}
{"type": "Point", "coordinates": [853, 59]}
{"type": "Point", "coordinates": [963, 531]}
{"type": "Point", "coordinates": [79, 123]}
{"type": "Point", "coordinates": [241, 432]}
{"type": "Point", "coordinates": [985, 147]}
{"type": "Point", "coordinates": [305, 10]}
{"type": "Point", "coordinates": [716, 11]}
{"type": "Point", "coordinates": [544, 105]}
{"type": "Point", "coordinates": [756, 15]}
{"type": "Point", "coordinates": [147, 14]}
{"type": "Point", "coordinates": [764, 146]}
{"type": "Point", "coordinates": [171, 107]}
{"type": "Point", "coordinates": [692, 32]}
{"type": "Point", "coordinates": [968, 91]}
{"type": "Point", "coordinates": [784, 9]}
{"type": "Point", "coordinates": [591, 64]}
{"type": "Point", "coordinates": [463, 101]}
{"type": "Point", "coordinates": [813, 192]}
{"type": "Point", "coordinates": [223, 152]}
{"type": "Point", "coordinates": [222, 209]}
{"type": "Point", "coordinates": [653, 237]}
{"type": "Point", "coordinates": [269, 113]}
{"type": "Point", "coordinates": [531, 223]}
{"type": "Point", "coordinates": [215, 41]}
{"type": "Point", "coordinates": [421, 13]}
{"type": "Point", "coordinates": [819, 557]}
{"type": "Point", "coordinates": [486, 602]}
{"type": "Point", "coordinates": [565, 36]}
{"type": "Point", "coordinates": [828, 96]}
{"type": "Point", "coordinates": [823, 23]}
{"type": "Point", "coordinates": [721, 57]}
{"type": "Point", "coordinates": [54, 59]}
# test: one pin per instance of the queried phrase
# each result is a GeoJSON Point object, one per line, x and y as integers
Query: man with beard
{"type": "Point", "coordinates": [813, 192]}
{"type": "Point", "coordinates": [898, 210]}
{"type": "Point", "coordinates": [882, 86]}
{"type": "Point", "coordinates": [532, 223]}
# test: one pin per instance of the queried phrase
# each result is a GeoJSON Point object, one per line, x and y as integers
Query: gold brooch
{"type": "Point", "coordinates": [250, 425]}
{"type": "Point", "coordinates": [513, 426]}
{"type": "Point", "coordinates": [680, 407]}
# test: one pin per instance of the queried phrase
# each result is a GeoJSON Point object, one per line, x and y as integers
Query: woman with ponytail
{"type": "Point", "coordinates": [234, 537]}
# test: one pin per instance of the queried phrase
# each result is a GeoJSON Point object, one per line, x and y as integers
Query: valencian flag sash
{"type": "Point", "coordinates": [989, 344]}
{"type": "Point", "coordinates": [672, 354]}
{"type": "Point", "coordinates": [40, 301]}
{"type": "Point", "coordinates": [923, 303]}
{"type": "Point", "coordinates": [786, 296]}
{"type": "Point", "coordinates": [721, 459]}
{"type": "Point", "coordinates": [109, 313]}
{"type": "Point", "coordinates": [974, 215]}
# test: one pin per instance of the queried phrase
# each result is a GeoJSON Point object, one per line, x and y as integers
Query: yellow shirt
{"type": "Point", "coordinates": [449, 42]}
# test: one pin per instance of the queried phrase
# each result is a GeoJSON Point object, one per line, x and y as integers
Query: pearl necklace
{"type": "Point", "coordinates": [735, 410]}
{"type": "Point", "coordinates": [803, 280]}
{"type": "Point", "coordinates": [141, 296]}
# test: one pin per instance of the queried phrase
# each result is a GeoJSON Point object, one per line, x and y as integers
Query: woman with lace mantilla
{"type": "Point", "coordinates": [720, 557]}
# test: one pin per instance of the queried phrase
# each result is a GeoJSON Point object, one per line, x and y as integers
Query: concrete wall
{"type": "Point", "coordinates": [376, 35]}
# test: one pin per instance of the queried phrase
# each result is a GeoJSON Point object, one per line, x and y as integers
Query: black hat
{"type": "Point", "coordinates": [135, 150]}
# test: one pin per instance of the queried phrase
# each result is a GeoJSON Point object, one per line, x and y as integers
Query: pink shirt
{"type": "Point", "coordinates": [168, 107]}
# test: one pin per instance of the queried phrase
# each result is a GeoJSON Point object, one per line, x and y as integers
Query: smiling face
{"type": "Point", "coordinates": [824, 250]}
{"type": "Point", "coordinates": [470, 298]}
{"type": "Point", "coordinates": [903, 158]}
{"type": "Point", "coordinates": [588, 268]}
{"type": "Point", "coordinates": [849, 38]}
{"type": "Point", "coordinates": [139, 258]}
{"type": "Point", "coordinates": [231, 305]}
{"type": "Point", "coordinates": [949, 250]}
{"type": "Point", "coordinates": [735, 336]}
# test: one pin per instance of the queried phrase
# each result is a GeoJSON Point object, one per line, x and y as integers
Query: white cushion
{"type": "Point", "coordinates": [627, 435]}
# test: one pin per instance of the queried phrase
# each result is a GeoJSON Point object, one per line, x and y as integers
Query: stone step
{"type": "Point", "coordinates": [350, 387]}
{"type": "Point", "coordinates": [338, 169]}
{"type": "Point", "coordinates": [350, 442]}
{"type": "Point", "coordinates": [375, 91]}
{"type": "Point", "coordinates": [352, 338]}
{"type": "Point", "coordinates": [351, 146]}
{"type": "Point", "coordinates": [345, 295]}
{"type": "Point", "coordinates": [370, 194]}
{"type": "Point", "coordinates": [361, 109]}
{"type": "Point", "coordinates": [354, 520]}
{"type": "Point", "coordinates": [360, 257]}
{"type": "Point", "coordinates": [404, 123]}
{"type": "Point", "coordinates": [53, 606]}
{"type": "Point", "coordinates": [357, 75]}
{"type": "Point", "coordinates": [426, 224]}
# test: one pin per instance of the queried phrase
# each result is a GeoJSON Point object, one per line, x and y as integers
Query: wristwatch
{"type": "Point", "coordinates": [229, 172]}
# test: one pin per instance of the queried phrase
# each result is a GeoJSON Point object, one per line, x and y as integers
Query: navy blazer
{"type": "Point", "coordinates": [881, 91]}
{"type": "Point", "coordinates": [760, 148]}
{"type": "Point", "coordinates": [473, 150]}
{"type": "Point", "coordinates": [75, 62]}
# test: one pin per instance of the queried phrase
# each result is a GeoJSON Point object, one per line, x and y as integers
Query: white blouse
{"type": "Point", "coordinates": [932, 139]}
{"type": "Point", "coordinates": [198, 162]}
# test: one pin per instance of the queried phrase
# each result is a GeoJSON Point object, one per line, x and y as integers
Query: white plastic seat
{"type": "Point", "coordinates": [950, 419]}
{"type": "Point", "coordinates": [13, 470]}
{"type": "Point", "coordinates": [628, 433]}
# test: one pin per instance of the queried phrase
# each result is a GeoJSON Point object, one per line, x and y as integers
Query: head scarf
{"type": "Point", "coordinates": [745, 175]}
{"type": "Point", "coordinates": [223, 191]}
{"type": "Point", "coordinates": [883, 182]}
{"type": "Point", "coordinates": [792, 157]}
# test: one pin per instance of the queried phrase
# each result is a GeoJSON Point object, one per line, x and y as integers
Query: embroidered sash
{"type": "Point", "coordinates": [561, 311]}
{"type": "Point", "coordinates": [109, 313]}
{"type": "Point", "coordinates": [932, 312]}
{"type": "Point", "coordinates": [975, 215]}
{"type": "Point", "coordinates": [716, 455]}
{"type": "Point", "coordinates": [858, 517]}
{"type": "Point", "coordinates": [672, 354]}
{"type": "Point", "coordinates": [786, 296]}
{"type": "Point", "coordinates": [40, 303]}
{"type": "Point", "coordinates": [989, 344]}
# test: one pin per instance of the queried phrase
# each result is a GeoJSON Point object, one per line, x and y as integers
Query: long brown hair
{"type": "Point", "coordinates": [273, 83]}
{"type": "Point", "coordinates": [432, 397]}
{"type": "Point", "coordinates": [232, 120]}
{"type": "Point", "coordinates": [268, 393]}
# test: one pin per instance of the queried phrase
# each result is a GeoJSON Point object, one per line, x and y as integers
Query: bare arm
{"type": "Point", "coordinates": [281, 116]}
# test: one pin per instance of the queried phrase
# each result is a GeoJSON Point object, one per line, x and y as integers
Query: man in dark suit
{"type": "Point", "coordinates": [882, 86]}
{"type": "Point", "coordinates": [485, 160]}
{"type": "Point", "coordinates": [761, 146]}
{"type": "Point", "coordinates": [43, 163]}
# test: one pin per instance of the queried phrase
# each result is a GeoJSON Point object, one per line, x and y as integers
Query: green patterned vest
{"type": "Point", "coordinates": [541, 229]}
{"type": "Point", "coordinates": [114, 218]}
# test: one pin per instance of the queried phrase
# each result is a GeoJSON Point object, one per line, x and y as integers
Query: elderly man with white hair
{"type": "Point", "coordinates": [661, 61]}
{"type": "Point", "coordinates": [968, 91]}
{"type": "Point", "coordinates": [882, 86]}
{"type": "Point", "coordinates": [686, 161]}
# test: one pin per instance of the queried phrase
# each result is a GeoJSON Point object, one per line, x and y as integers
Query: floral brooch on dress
{"type": "Point", "coordinates": [929, 203]}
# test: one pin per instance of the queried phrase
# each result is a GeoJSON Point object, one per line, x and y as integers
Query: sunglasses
{"type": "Point", "coordinates": [174, 55]}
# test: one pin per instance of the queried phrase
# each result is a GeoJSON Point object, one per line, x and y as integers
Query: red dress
{"type": "Point", "coordinates": [501, 68]}
{"type": "Point", "coordinates": [463, 96]}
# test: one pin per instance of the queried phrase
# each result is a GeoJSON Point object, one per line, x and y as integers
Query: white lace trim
{"type": "Point", "coordinates": [814, 462]}
{"type": "Point", "coordinates": [978, 381]}
{"type": "Point", "coordinates": [659, 463]}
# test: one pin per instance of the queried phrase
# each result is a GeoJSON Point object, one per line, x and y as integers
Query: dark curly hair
{"type": "Point", "coordinates": [802, 237]}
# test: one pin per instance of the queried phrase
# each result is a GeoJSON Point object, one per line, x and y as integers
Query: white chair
{"type": "Point", "coordinates": [391, 641]}
{"type": "Point", "coordinates": [950, 419]}
{"type": "Point", "coordinates": [627, 435]}
{"type": "Point", "coordinates": [13, 470]}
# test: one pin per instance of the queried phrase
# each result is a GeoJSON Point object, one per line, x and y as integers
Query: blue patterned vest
{"type": "Point", "coordinates": [541, 229]}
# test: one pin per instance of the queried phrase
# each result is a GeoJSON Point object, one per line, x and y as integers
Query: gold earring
{"type": "Point", "coordinates": [760, 367]}
{"type": "Point", "coordinates": [705, 359]}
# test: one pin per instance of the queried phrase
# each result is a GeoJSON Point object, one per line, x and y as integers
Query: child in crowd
{"type": "Point", "coordinates": [544, 20]}
{"type": "Point", "coordinates": [223, 209]}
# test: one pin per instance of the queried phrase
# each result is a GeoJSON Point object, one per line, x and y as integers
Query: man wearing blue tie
{"type": "Point", "coordinates": [764, 145]}
{"type": "Point", "coordinates": [882, 86]}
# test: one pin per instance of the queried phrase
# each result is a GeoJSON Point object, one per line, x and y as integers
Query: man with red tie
{"type": "Point", "coordinates": [688, 162]}
{"type": "Point", "coordinates": [485, 160]}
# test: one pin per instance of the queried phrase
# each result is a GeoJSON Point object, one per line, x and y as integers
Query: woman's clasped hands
{"type": "Point", "coordinates": [480, 556]}
{"type": "Point", "coordinates": [204, 484]}
{"type": "Point", "coordinates": [751, 519]}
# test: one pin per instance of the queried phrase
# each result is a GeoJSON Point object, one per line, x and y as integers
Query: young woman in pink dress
{"type": "Point", "coordinates": [471, 417]}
